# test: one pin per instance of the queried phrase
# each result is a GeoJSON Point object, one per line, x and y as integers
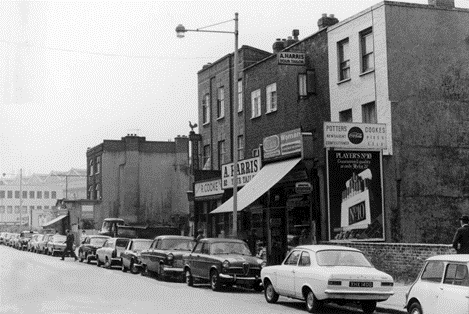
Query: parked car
{"type": "Point", "coordinates": [13, 242]}
{"type": "Point", "coordinates": [165, 256]}
{"type": "Point", "coordinates": [320, 274]}
{"type": "Point", "coordinates": [32, 244]}
{"type": "Point", "coordinates": [56, 244]}
{"type": "Point", "coordinates": [25, 237]}
{"type": "Point", "coordinates": [130, 258]}
{"type": "Point", "coordinates": [442, 286]}
{"type": "Point", "coordinates": [42, 244]}
{"type": "Point", "coordinates": [223, 262]}
{"type": "Point", "coordinates": [4, 237]}
{"type": "Point", "coordinates": [110, 254]}
{"type": "Point", "coordinates": [88, 247]}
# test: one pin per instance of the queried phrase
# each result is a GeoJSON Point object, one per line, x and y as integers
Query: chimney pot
{"type": "Point", "coordinates": [324, 15]}
{"type": "Point", "coordinates": [331, 16]}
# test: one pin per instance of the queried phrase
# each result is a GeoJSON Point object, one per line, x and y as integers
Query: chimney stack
{"type": "Point", "coordinates": [326, 21]}
{"type": "Point", "coordinates": [278, 45]}
{"type": "Point", "coordinates": [295, 34]}
{"type": "Point", "coordinates": [447, 4]}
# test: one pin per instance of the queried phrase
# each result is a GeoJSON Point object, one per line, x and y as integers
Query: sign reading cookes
{"type": "Point", "coordinates": [208, 188]}
{"type": "Point", "coordinates": [355, 135]}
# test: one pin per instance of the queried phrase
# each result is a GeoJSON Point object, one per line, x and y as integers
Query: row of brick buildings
{"type": "Point", "coordinates": [399, 67]}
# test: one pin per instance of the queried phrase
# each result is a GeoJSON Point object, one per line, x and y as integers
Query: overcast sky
{"type": "Point", "coordinates": [75, 73]}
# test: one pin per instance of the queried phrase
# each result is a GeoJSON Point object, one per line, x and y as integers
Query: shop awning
{"type": "Point", "coordinates": [53, 221]}
{"type": "Point", "coordinates": [261, 183]}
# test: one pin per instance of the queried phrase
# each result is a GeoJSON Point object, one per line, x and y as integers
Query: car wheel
{"type": "Point", "coordinates": [133, 268]}
{"type": "Point", "coordinates": [98, 262]}
{"type": "Point", "coordinates": [269, 292]}
{"type": "Point", "coordinates": [123, 268]}
{"type": "Point", "coordinates": [368, 307]}
{"type": "Point", "coordinates": [215, 280]}
{"type": "Point", "coordinates": [312, 303]}
{"type": "Point", "coordinates": [107, 263]}
{"type": "Point", "coordinates": [415, 308]}
{"type": "Point", "coordinates": [144, 270]}
{"type": "Point", "coordinates": [189, 278]}
{"type": "Point", "coordinates": [81, 256]}
{"type": "Point", "coordinates": [161, 274]}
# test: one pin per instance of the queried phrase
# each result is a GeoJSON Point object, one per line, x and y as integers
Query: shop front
{"type": "Point", "coordinates": [208, 195]}
{"type": "Point", "coordinates": [276, 205]}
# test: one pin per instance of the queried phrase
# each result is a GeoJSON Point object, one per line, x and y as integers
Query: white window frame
{"type": "Point", "coordinates": [221, 103]}
{"type": "Point", "coordinates": [98, 164]}
{"type": "Point", "coordinates": [98, 192]}
{"type": "Point", "coordinates": [206, 106]}
{"type": "Point", "coordinates": [369, 113]}
{"type": "Point", "coordinates": [240, 147]}
{"type": "Point", "coordinates": [364, 53]}
{"type": "Point", "coordinates": [302, 85]}
{"type": "Point", "coordinates": [240, 95]}
{"type": "Point", "coordinates": [344, 59]}
{"type": "Point", "coordinates": [271, 97]}
{"type": "Point", "coordinates": [91, 167]}
{"type": "Point", "coordinates": [221, 153]}
{"type": "Point", "coordinates": [90, 192]}
{"type": "Point", "coordinates": [256, 103]}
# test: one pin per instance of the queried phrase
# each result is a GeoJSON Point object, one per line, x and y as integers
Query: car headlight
{"type": "Point", "coordinates": [226, 264]}
{"type": "Point", "coordinates": [263, 264]}
{"type": "Point", "coordinates": [170, 257]}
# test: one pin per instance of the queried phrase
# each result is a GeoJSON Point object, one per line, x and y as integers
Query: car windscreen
{"type": "Point", "coordinates": [141, 245]}
{"type": "Point", "coordinates": [98, 241]}
{"type": "Point", "coordinates": [177, 244]}
{"type": "Point", "coordinates": [342, 258]}
{"type": "Point", "coordinates": [122, 242]}
{"type": "Point", "coordinates": [230, 248]}
{"type": "Point", "coordinates": [27, 235]}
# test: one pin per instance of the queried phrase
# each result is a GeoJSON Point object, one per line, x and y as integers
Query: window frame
{"type": "Point", "coordinates": [367, 115]}
{"type": "Point", "coordinates": [221, 153]}
{"type": "Point", "coordinates": [271, 98]}
{"type": "Point", "coordinates": [343, 59]}
{"type": "Point", "coordinates": [221, 102]}
{"type": "Point", "coordinates": [290, 255]}
{"type": "Point", "coordinates": [32, 194]}
{"type": "Point", "coordinates": [98, 165]}
{"type": "Point", "coordinates": [206, 157]}
{"type": "Point", "coordinates": [256, 100]}
{"type": "Point", "coordinates": [240, 146]}
{"type": "Point", "coordinates": [342, 115]}
{"type": "Point", "coordinates": [442, 263]}
{"type": "Point", "coordinates": [206, 109]}
{"type": "Point", "coordinates": [240, 95]}
{"type": "Point", "coordinates": [367, 33]}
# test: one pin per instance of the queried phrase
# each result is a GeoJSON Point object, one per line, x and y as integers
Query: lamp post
{"type": "Point", "coordinates": [180, 30]}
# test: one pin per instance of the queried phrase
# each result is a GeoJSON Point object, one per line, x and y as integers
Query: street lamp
{"type": "Point", "coordinates": [180, 31]}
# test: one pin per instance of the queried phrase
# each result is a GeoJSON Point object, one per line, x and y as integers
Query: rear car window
{"type": "Point", "coordinates": [433, 271]}
{"type": "Point", "coordinates": [456, 274]}
{"type": "Point", "coordinates": [122, 242]}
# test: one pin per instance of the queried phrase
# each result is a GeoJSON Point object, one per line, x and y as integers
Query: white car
{"type": "Point", "coordinates": [320, 274]}
{"type": "Point", "coordinates": [442, 286]}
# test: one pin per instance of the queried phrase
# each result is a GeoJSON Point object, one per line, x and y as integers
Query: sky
{"type": "Point", "coordinates": [75, 73]}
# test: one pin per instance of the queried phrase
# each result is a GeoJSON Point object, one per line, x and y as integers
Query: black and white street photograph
{"type": "Point", "coordinates": [202, 156]}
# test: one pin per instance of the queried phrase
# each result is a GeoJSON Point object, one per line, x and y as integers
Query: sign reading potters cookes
{"type": "Point", "coordinates": [283, 144]}
{"type": "Point", "coordinates": [355, 193]}
{"type": "Point", "coordinates": [354, 135]}
{"type": "Point", "coordinates": [208, 188]}
{"type": "Point", "coordinates": [291, 58]}
{"type": "Point", "coordinates": [247, 169]}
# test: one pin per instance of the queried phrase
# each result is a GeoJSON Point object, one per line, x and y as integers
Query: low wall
{"type": "Point", "coordinates": [401, 260]}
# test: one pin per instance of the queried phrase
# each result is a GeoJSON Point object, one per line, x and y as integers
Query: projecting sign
{"type": "Point", "coordinates": [247, 169]}
{"type": "Point", "coordinates": [303, 188]}
{"type": "Point", "coordinates": [208, 188]}
{"type": "Point", "coordinates": [283, 144]}
{"type": "Point", "coordinates": [291, 58]}
{"type": "Point", "coordinates": [354, 135]}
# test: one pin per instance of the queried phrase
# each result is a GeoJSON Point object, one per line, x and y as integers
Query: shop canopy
{"type": "Point", "coordinates": [267, 177]}
{"type": "Point", "coordinates": [53, 221]}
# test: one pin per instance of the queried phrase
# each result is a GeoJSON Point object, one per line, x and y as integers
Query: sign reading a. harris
{"type": "Point", "coordinates": [355, 135]}
{"type": "Point", "coordinates": [207, 188]}
{"type": "Point", "coordinates": [291, 58]}
{"type": "Point", "coordinates": [246, 168]}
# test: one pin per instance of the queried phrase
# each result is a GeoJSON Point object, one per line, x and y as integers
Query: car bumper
{"type": "Point", "coordinates": [116, 261]}
{"type": "Point", "coordinates": [91, 257]}
{"type": "Point", "coordinates": [173, 270]}
{"type": "Point", "coordinates": [239, 279]}
{"type": "Point", "coordinates": [359, 295]}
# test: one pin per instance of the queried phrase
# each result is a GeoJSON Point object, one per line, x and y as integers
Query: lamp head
{"type": "Point", "coordinates": [180, 30]}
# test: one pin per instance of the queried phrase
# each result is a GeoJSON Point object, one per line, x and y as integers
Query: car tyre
{"type": "Point", "coordinates": [123, 268]}
{"type": "Point", "coordinates": [133, 269]}
{"type": "Point", "coordinates": [312, 303]}
{"type": "Point", "coordinates": [271, 296]}
{"type": "Point", "coordinates": [98, 262]}
{"type": "Point", "coordinates": [415, 308]}
{"type": "Point", "coordinates": [144, 270]}
{"type": "Point", "coordinates": [107, 263]}
{"type": "Point", "coordinates": [215, 280]}
{"type": "Point", "coordinates": [368, 307]}
{"type": "Point", "coordinates": [161, 274]}
{"type": "Point", "coordinates": [189, 278]}
{"type": "Point", "coordinates": [81, 256]}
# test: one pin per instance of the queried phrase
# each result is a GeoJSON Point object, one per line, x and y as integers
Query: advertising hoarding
{"type": "Point", "coordinates": [355, 135]}
{"type": "Point", "coordinates": [283, 144]}
{"type": "Point", "coordinates": [355, 194]}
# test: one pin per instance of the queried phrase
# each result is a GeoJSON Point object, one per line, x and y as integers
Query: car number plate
{"type": "Point", "coordinates": [361, 284]}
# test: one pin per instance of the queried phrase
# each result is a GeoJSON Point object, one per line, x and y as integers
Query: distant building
{"type": "Point", "coordinates": [140, 181]}
{"type": "Point", "coordinates": [37, 195]}
{"type": "Point", "coordinates": [406, 65]}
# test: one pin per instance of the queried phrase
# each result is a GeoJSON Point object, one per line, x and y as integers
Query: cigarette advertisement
{"type": "Point", "coordinates": [355, 195]}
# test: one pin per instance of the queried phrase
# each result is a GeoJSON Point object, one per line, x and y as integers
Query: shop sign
{"type": "Point", "coordinates": [355, 193]}
{"type": "Point", "coordinates": [355, 135]}
{"type": "Point", "coordinates": [291, 58]}
{"type": "Point", "coordinates": [246, 168]}
{"type": "Point", "coordinates": [303, 188]}
{"type": "Point", "coordinates": [283, 144]}
{"type": "Point", "coordinates": [208, 188]}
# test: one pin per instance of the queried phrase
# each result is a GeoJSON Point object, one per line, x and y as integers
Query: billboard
{"type": "Point", "coordinates": [355, 194]}
{"type": "Point", "coordinates": [283, 144]}
{"type": "Point", "coordinates": [355, 135]}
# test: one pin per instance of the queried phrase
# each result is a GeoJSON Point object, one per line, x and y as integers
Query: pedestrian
{"type": "Point", "coordinates": [200, 235]}
{"type": "Point", "coordinates": [69, 245]}
{"type": "Point", "coordinates": [252, 242]}
{"type": "Point", "coordinates": [304, 237]}
{"type": "Point", "coordinates": [461, 238]}
{"type": "Point", "coordinates": [83, 235]}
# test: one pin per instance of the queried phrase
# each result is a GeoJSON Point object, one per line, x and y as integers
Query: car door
{"type": "Point", "coordinates": [153, 256]}
{"type": "Point", "coordinates": [205, 261]}
{"type": "Point", "coordinates": [428, 289]}
{"type": "Point", "coordinates": [125, 256]}
{"type": "Point", "coordinates": [302, 273]}
{"type": "Point", "coordinates": [454, 290]}
{"type": "Point", "coordinates": [145, 255]}
{"type": "Point", "coordinates": [194, 260]}
{"type": "Point", "coordinates": [286, 274]}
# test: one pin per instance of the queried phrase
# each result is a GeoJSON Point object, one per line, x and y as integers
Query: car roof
{"type": "Point", "coordinates": [98, 236]}
{"type": "Point", "coordinates": [450, 257]}
{"type": "Point", "coordinates": [141, 240]}
{"type": "Point", "coordinates": [215, 240]}
{"type": "Point", "coordinates": [173, 237]}
{"type": "Point", "coordinates": [323, 247]}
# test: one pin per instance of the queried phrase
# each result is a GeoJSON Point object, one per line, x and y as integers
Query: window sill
{"type": "Point", "coordinates": [256, 117]}
{"type": "Point", "coordinates": [367, 72]}
{"type": "Point", "coordinates": [220, 118]}
{"type": "Point", "coordinates": [271, 111]}
{"type": "Point", "coordinates": [343, 81]}
{"type": "Point", "coordinates": [206, 123]}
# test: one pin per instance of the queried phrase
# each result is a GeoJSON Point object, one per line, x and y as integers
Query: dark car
{"type": "Point", "coordinates": [25, 237]}
{"type": "Point", "coordinates": [42, 244]}
{"type": "Point", "coordinates": [56, 244]}
{"type": "Point", "coordinates": [130, 258]}
{"type": "Point", "coordinates": [88, 247]}
{"type": "Point", "coordinates": [223, 262]}
{"type": "Point", "coordinates": [165, 256]}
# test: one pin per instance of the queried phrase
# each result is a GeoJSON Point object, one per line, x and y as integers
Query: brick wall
{"type": "Point", "coordinates": [401, 260]}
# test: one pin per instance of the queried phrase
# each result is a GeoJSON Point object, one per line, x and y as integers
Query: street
{"type": "Point", "coordinates": [33, 283]}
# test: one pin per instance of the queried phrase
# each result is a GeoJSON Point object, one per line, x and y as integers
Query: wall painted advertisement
{"type": "Point", "coordinates": [355, 194]}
